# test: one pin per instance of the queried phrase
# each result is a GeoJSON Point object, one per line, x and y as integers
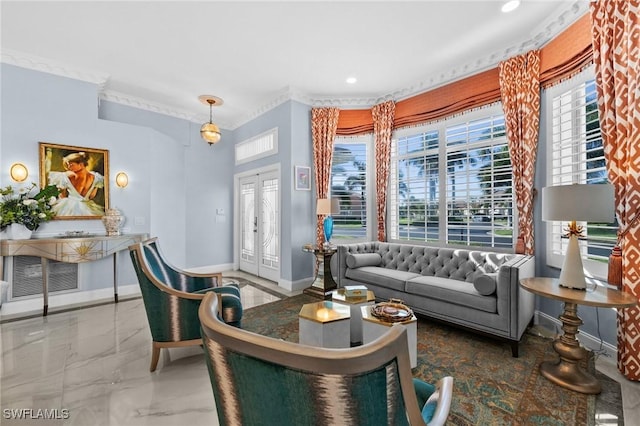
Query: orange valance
{"type": "Point", "coordinates": [561, 58]}
{"type": "Point", "coordinates": [354, 122]}
{"type": "Point", "coordinates": [567, 54]}
{"type": "Point", "coordinates": [472, 92]}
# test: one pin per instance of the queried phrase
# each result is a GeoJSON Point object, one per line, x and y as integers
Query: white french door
{"type": "Point", "coordinates": [259, 212]}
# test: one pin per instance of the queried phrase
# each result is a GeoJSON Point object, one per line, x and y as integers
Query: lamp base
{"type": "Point", "coordinates": [328, 229]}
{"type": "Point", "coordinates": [572, 274]}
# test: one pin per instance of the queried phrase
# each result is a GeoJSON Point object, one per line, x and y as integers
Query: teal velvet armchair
{"type": "Point", "coordinates": [258, 380]}
{"type": "Point", "coordinates": [172, 297]}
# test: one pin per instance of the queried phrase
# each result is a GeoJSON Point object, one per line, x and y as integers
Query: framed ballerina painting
{"type": "Point", "coordinates": [82, 176]}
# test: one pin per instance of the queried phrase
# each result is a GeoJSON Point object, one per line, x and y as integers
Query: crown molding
{"type": "Point", "coordinates": [545, 32]}
{"type": "Point", "coordinates": [542, 34]}
{"type": "Point", "coordinates": [50, 66]}
{"type": "Point", "coordinates": [141, 103]}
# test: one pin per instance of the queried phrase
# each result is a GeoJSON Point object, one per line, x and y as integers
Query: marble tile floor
{"type": "Point", "coordinates": [91, 367]}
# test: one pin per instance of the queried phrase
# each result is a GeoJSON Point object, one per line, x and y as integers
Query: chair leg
{"type": "Point", "coordinates": [155, 356]}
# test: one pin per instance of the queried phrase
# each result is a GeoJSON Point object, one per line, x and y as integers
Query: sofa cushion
{"type": "Point", "coordinates": [452, 291]}
{"type": "Point", "coordinates": [485, 284]}
{"type": "Point", "coordinates": [358, 260]}
{"type": "Point", "coordinates": [382, 277]}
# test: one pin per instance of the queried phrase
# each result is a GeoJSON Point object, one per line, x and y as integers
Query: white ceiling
{"type": "Point", "coordinates": [161, 55]}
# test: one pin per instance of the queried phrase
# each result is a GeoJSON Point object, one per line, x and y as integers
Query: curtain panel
{"type": "Point", "coordinates": [520, 93]}
{"type": "Point", "coordinates": [616, 52]}
{"type": "Point", "coordinates": [383, 115]}
{"type": "Point", "coordinates": [324, 122]}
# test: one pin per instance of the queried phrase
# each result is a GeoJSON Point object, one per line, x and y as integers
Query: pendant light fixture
{"type": "Point", "coordinates": [210, 131]}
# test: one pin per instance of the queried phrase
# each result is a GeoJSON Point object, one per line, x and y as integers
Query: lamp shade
{"type": "Point", "coordinates": [326, 206]}
{"type": "Point", "coordinates": [579, 202]}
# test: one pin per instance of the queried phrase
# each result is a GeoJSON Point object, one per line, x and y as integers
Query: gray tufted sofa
{"type": "Point", "coordinates": [474, 289]}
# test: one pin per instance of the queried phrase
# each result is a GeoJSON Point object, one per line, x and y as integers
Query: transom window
{"type": "Point", "coordinates": [451, 182]}
{"type": "Point", "coordinates": [259, 146]}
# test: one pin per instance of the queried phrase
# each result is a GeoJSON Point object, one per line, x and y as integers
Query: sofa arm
{"type": "Point", "coordinates": [513, 301]}
{"type": "Point", "coordinates": [346, 249]}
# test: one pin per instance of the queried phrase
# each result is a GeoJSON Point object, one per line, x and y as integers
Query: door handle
{"type": "Point", "coordinates": [255, 224]}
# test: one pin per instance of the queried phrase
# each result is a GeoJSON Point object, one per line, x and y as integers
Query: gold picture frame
{"type": "Point", "coordinates": [81, 174]}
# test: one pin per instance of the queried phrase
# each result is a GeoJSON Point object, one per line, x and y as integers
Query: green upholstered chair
{"type": "Point", "coordinates": [258, 380]}
{"type": "Point", "coordinates": [172, 298]}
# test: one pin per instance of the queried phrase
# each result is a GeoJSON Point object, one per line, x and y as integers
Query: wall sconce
{"type": "Point", "coordinates": [122, 180]}
{"type": "Point", "coordinates": [210, 131]}
{"type": "Point", "coordinates": [19, 172]}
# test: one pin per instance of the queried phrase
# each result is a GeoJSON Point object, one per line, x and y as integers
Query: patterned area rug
{"type": "Point", "coordinates": [491, 387]}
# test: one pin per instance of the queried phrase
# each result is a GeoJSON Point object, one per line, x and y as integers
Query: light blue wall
{"type": "Point", "coordinates": [292, 120]}
{"type": "Point", "coordinates": [300, 213]}
{"type": "Point", "coordinates": [177, 182]}
{"type": "Point", "coordinates": [181, 163]}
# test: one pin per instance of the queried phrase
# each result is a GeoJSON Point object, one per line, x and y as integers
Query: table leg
{"type": "Point", "coordinates": [567, 372]}
{"type": "Point", "coordinates": [115, 277]}
{"type": "Point", "coordinates": [45, 285]}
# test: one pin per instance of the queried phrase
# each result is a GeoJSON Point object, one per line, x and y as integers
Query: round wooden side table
{"type": "Point", "coordinates": [567, 372]}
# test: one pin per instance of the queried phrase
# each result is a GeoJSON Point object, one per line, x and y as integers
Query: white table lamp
{"type": "Point", "coordinates": [578, 202]}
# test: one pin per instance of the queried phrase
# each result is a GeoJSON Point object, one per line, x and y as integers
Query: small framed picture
{"type": "Point", "coordinates": [302, 178]}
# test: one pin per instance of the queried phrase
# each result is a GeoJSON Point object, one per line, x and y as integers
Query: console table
{"type": "Point", "coordinates": [69, 250]}
{"type": "Point", "coordinates": [324, 283]}
{"type": "Point", "coordinates": [566, 372]}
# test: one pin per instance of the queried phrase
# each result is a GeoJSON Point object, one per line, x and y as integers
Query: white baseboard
{"type": "Point", "coordinates": [211, 268]}
{"type": "Point", "coordinates": [295, 285]}
{"type": "Point", "coordinates": [587, 340]}
{"type": "Point", "coordinates": [68, 299]}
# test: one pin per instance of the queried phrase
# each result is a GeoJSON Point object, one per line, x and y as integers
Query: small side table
{"type": "Point", "coordinates": [324, 324]}
{"type": "Point", "coordinates": [567, 372]}
{"type": "Point", "coordinates": [373, 327]}
{"type": "Point", "coordinates": [323, 284]}
{"type": "Point", "coordinates": [354, 303]}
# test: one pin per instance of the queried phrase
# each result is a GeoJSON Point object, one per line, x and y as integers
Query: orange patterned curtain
{"type": "Point", "coordinates": [324, 122]}
{"type": "Point", "coordinates": [383, 115]}
{"type": "Point", "coordinates": [616, 50]}
{"type": "Point", "coordinates": [520, 92]}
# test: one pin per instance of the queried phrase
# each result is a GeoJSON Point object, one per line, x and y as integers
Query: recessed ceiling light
{"type": "Point", "coordinates": [510, 6]}
{"type": "Point", "coordinates": [351, 80]}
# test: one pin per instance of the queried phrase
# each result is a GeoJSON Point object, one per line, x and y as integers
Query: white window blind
{"type": "Point", "coordinates": [451, 182]}
{"type": "Point", "coordinates": [479, 184]}
{"type": "Point", "coordinates": [350, 183]}
{"type": "Point", "coordinates": [577, 156]}
{"type": "Point", "coordinates": [415, 182]}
